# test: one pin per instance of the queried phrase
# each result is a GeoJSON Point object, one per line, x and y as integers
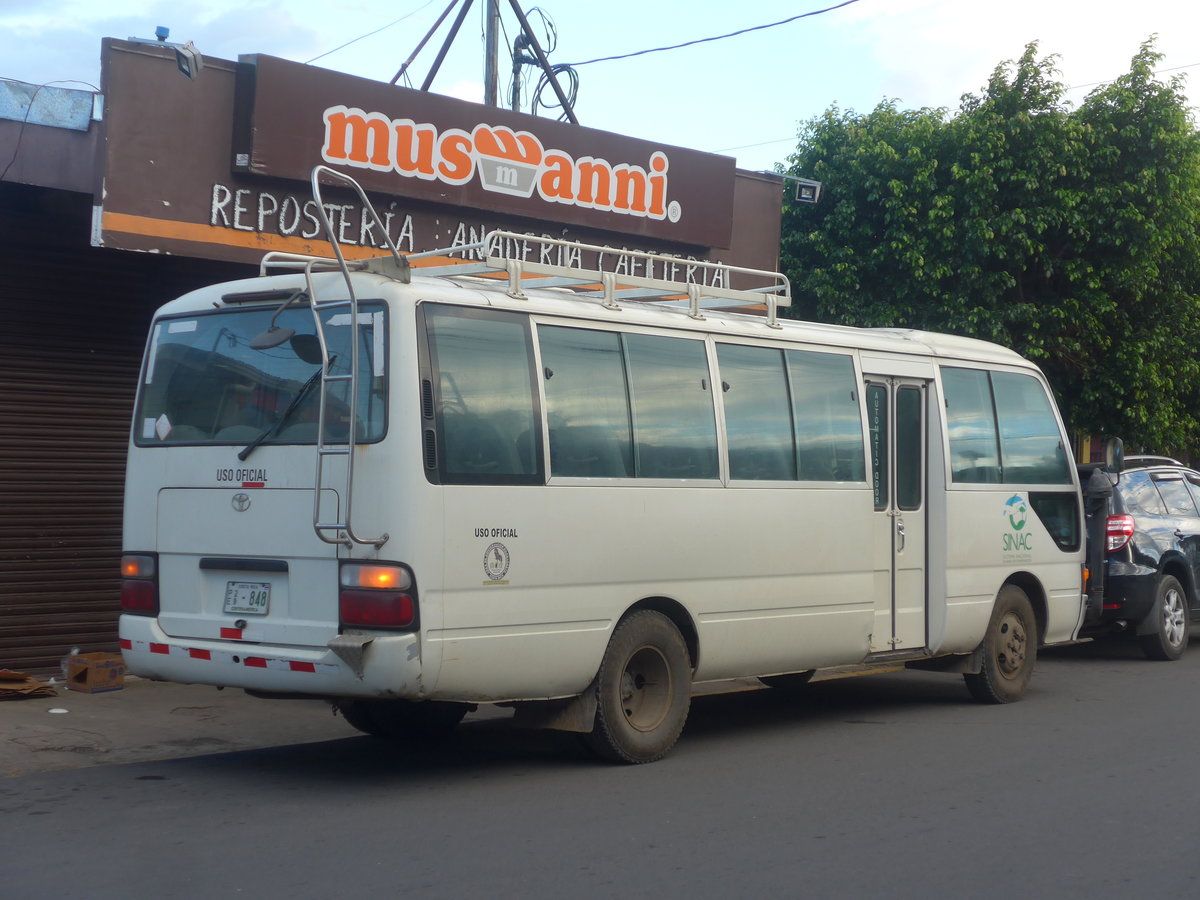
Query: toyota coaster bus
{"type": "Point", "coordinates": [410, 486]}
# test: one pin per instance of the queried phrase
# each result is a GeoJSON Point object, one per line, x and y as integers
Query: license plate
{"type": "Point", "coordinates": [251, 598]}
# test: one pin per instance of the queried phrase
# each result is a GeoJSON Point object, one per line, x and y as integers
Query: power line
{"type": "Point", "coordinates": [1076, 87]}
{"type": "Point", "coordinates": [719, 37]}
{"type": "Point", "coordinates": [748, 146]}
{"type": "Point", "coordinates": [369, 33]}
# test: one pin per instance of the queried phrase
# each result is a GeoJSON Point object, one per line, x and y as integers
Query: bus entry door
{"type": "Point", "coordinates": [896, 432]}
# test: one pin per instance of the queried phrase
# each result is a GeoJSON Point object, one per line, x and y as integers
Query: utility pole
{"type": "Point", "coordinates": [491, 53]}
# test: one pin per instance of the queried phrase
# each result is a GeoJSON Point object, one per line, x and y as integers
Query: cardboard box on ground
{"type": "Point", "coordinates": [94, 673]}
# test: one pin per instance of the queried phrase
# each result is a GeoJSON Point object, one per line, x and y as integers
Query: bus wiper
{"type": "Point", "coordinates": [305, 390]}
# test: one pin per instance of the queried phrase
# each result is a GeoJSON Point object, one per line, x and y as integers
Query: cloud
{"type": "Point", "coordinates": [929, 52]}
{"type": "Point", "coordinates": [465, 90]}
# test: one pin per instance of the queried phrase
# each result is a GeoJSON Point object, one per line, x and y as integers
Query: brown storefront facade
{"type": "Point", "coordinates": [204, 176]}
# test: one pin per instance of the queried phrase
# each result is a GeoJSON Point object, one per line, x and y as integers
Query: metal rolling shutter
{"type": "Point", "coordinates": [73, 321]}
{"type": "Point", "coordinates": [66, 379]}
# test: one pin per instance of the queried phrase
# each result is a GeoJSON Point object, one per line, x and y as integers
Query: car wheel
{"type": "Point", "coordinates": [1169, 636]}
{"type": "Point", "coordinates": [1009, 650]}
{"type": "Point", "coordinates": [643, 690]}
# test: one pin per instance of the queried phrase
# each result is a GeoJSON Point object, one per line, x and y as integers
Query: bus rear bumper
{"type": "Point", "coordinates": [390, 664]}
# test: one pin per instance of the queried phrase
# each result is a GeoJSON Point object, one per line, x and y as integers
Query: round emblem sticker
{"type": "Point", "coordinates": [495, 561]}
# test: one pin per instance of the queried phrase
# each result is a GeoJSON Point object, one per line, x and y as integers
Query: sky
{"type": "Point", "coordinates": [743, 96]}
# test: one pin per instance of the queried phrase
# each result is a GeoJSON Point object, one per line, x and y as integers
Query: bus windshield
{"type": "Point", "coordinates": [204, 384]}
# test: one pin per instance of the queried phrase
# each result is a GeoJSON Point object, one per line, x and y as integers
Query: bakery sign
{"type": "Point", "coordinates": [505, 162]}
{"type": "Point", "coordinates": [438, 149]}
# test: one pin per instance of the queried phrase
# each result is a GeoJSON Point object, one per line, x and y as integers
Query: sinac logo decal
{"type": "Point", "coordinates": [1017, 543]}
{"type": "Point", "coordinates": [1018, 513]}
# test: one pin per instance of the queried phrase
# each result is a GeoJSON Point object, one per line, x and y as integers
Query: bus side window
{"type": "Point", "coordinates": [971, 423]}
{"type": "Point", "coordinates": [1059, 512]}
{"type": "Point", "coordinates": [622, 405]}
{"type": "Point", "coordinates": [1030, 445]}
{"type": "Point", "coordinates": [587, 403]}
{"type": "Point", "coordinates": [828, 417]}
{"type": "Point", "coordinates": [674, 418]}
{"type": "Point", "coordinates": [758, 413]}
{"type": "Point", "coordinates": [1002, 429]}
{"type": "Point", "coordinates": [484, 404]}
{"type": "Point", "coordinates": [475, 446]}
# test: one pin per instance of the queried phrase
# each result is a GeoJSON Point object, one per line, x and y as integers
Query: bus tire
{"type": "Point", "coordinates": [403, 718]}
{"type": "Point", "coordinates": [1169, 636]}
{"type": "Point", "coordinates": [1009, 650]}
{"type": "Point", "coordinates": [643, 690]}
{"type": "Point", "coordinates": [794, 681]}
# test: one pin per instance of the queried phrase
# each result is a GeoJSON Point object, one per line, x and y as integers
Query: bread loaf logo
{"type": "Point", "coordinates": [508, 161]}
{"type": "Point", "coordinates": [505, 161]}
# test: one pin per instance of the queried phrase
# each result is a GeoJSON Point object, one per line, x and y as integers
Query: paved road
{"type": "Point", "coordinates": [885, 786]}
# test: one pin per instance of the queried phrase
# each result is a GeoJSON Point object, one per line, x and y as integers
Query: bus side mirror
{"type": "Point", "coordinates": [1114, 456]}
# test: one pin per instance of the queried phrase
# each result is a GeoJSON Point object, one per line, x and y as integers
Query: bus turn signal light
{"type": "Point", "coordinates": [376, 577]}
{"type": "Point", "coordinates": [137, 566]}
{"type": "Point", "coordinates": [139, 584]}
{"type": "Point", "coordinates": [376, 595]}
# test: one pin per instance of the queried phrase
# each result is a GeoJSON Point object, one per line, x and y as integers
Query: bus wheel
{"type": "Point", "coordinates": [1009, 650]}
{"type": "Point", "coordinates": [1170, 635]}
{"type": "Point", "coordinates": [789, 683]}
{"type": "Point", "coordinates": [403, 718]}
{"type": "Point", "coordinates": [643, 690]}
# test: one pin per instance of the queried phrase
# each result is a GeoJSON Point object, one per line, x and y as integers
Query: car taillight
{"type": "Point", "coordinates": [139, 584]}
{"type": "Point", "coordinates": [376, 595]}
{"type": "Point", "coordinates": [1118, 532]}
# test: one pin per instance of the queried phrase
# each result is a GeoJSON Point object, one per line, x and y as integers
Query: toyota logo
{"type": "Point", "coordinates": [241, 502]}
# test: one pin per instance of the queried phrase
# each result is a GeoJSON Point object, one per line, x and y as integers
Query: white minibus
{"type": "Point", "coordinates": [578, 481]}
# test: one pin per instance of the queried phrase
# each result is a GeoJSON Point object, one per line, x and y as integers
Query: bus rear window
{"type": "Point", "coordinates": [202, 382]}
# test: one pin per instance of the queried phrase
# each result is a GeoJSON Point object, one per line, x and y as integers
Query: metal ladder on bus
{"type": "Point", "coordinates": [341, 530]}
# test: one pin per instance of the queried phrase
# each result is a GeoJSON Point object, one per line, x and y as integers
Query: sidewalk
{"type": "Point", "coordinates": [149, 720]}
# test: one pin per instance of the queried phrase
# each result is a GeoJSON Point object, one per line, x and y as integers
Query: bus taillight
{"type": "Point", "coordinates": [139, 584]}
{"type": "Point", "coordinates": [375, 595]}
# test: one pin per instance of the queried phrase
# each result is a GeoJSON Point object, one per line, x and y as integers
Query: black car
{"type": "Point", "coordinates": [1144, 552]}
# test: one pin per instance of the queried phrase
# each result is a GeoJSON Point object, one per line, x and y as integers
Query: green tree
{"type": "Point", "coordinates": [1069, 235]}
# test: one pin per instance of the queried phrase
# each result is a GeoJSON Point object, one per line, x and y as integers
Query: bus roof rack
{"type": "Point", "coordinates": [631, 274]}
{"type": "Point", "coordinates": [704, 285]}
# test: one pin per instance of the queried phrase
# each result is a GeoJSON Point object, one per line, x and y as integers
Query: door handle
{"type": "Point", "coordinates": [900, 534]}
